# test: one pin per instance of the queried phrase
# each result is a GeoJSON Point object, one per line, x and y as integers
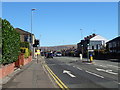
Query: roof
{"type": "Point", "coordinates": [98, 38]}
{"type": "Point", "coordinates": [22, 32]}
{"type": "Point", "coordinates": [117, 38]}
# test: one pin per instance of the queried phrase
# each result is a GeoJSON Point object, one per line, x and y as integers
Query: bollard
{"type": "Point", "coordinates": [80, 56]}
{"type": "Point", "coordinates": [91, 58]}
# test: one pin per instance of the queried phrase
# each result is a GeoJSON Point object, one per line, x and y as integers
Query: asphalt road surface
{"type": "Point", "coordinates": [77, 74]}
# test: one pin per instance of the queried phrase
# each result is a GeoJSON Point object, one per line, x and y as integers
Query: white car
{"type": "Point", "coordinates": [58, 54]}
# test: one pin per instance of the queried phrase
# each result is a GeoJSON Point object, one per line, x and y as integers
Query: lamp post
{"type": "Point", "coordinates": [32, 22]}
{"type": "Point", "coordinates": [32, 49]}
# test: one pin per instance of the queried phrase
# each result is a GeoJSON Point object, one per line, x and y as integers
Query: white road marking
{"type": "Point", "coordinates": [100, 65]}
{"type": "Point", "coordinates": [88, 63]}
{"type": "Point", "coordinates": [112, 72]}
{"type": "Point", "coordinates": [94, 74]}
{"type": "Point", "coordinates": [106, 65]}
{"type": "Point", "coordinates": [112, 65]}
{"type": "Point", "coordinates": [79, 68]}
{"type": "Point", "coordinates": [73, 66]}
{"type": "Point", "coordinates": [100, 69]}
{"type": "Point", "coordinates": [108, 71]}
{"type": "Point", "coordinates": [103, 66]}
{"type": "Point", "coordinates": [69, 73]}
{"type": "Point", "coordinates": [116, 82]}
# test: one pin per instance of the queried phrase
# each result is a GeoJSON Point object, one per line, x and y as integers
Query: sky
{"type": "Point", "coordinates": [59, 23]}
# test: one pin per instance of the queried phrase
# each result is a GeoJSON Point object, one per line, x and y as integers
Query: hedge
{"type": "Point", "coordinates": [0, 39]}
{"type": "Point", "coordinates": [10, 43]}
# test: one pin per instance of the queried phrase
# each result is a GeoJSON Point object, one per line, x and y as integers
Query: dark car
{"type": "Point", "coordinates": [49, 55]}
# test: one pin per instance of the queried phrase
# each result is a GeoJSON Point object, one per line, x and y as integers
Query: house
{"type": "Point", "coordinates": [25, 36]}
{"type": "Point", "coordinates": [113, 46]}
{"type": "Point", "coordinates": [91, 43]}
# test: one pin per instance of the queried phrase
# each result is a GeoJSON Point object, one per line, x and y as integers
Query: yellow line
{"type": "Point", "coordinates": [55, 78]}
{"type": "Point", "coordinates": [58, 79]}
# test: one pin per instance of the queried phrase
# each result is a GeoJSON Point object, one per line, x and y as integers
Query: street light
{"type": "Point", "coordinates": [31, 31]}
{"type": "Point", "coordinates": [32, 22]}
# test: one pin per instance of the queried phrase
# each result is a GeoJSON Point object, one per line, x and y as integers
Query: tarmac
{"type": "Point", "coordinates": [32, 75]}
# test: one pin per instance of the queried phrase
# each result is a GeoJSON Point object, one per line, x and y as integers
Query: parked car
{"type": "Point", "coordinates": [58, 54]}
{"type": "Point", "coordinates": [49, 55]}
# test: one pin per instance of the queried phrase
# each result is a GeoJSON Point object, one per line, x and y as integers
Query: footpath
{"type": "Point", "coordinates": [32, 75]}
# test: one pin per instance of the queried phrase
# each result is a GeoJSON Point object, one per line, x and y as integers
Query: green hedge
{"type": "Point", "coordinates": [0, 39]}
{"type": "Point", "coordinates": [10, 43]}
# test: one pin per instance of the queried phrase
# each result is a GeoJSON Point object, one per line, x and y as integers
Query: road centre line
{"type": "Point", "coordinates": [73, 66]}
{"type": "Point", "coordinates": [112, 65]}
{"type": "Point", "coordinates": [58, 81]}
{"type": "Point", "coordinates": [116, 82]}
{"type": "Point", "coordinates": [100, 65]}
{"type": "Point", "coordinates": [79, 68]}
{"type": "Point", "coordinates": [94, 74]}
{"type": "Point", "coordinates": [108, 71]}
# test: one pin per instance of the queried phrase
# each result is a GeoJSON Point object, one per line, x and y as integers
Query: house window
{"type": "Point", "coordinates": [25, 38]}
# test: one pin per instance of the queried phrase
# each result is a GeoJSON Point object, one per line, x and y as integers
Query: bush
{"type": "Point", "coordinates": [10, 43]}
{"type": "Point", "coordinates": [0, 39]}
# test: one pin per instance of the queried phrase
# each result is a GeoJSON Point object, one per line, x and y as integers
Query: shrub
{"type": "Point", "coordinates": [10, 43]}
{"type": "Point", "coordinates": [0, 39]}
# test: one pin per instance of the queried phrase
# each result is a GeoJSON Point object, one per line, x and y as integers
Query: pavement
{"type": "Point", "coordinates": [32, 75]}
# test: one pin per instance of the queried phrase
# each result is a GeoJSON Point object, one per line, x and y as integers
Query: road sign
{"type": "Point", "coordinates": [38, 51]}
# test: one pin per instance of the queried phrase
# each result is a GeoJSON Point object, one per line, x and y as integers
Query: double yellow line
{"type": "Point", "coordinates": [57, 80]}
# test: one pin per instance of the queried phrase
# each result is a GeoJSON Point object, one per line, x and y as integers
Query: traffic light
{"type": "Point", "coordinates": [88, 41]}
{"type": "Point", "coordinates": [82, 42]}
{"type": "Point", "coordinates": [36, 43]}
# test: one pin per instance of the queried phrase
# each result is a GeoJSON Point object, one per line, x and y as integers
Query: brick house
{"type": "Point", "coordinates": [25, 36]}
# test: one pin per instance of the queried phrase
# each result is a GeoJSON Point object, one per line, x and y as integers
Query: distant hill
{"type": "Point", "coordinates": [58, 47]}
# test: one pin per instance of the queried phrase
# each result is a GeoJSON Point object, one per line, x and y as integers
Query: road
{"type": "Point", "coordinates": [77, 74]}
